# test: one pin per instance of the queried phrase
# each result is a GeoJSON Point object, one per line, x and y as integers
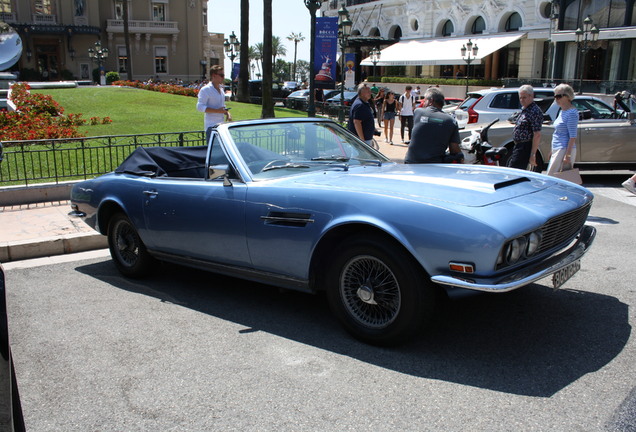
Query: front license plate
{"type": "Point", "coordinates": [563, 275]}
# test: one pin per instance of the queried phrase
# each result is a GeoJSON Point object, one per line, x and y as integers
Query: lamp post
{"type": "Point", "coordinates": [313, 6]}
{"type": "Point", "coordinates": [204, 63]}
{"type": "Point", "coordinates": [232, 48]}
{"type": "Point", "coordinates": [554, 26]}
{"type": "Point", "coordinates": [466, 52]}
{"type": "Point", "coordinates": [584, 38]}
{"type": "Point", "coordinates": [344, 30]}
{"type": "Point", "coordinates": [99, 54]}
{"type": "Point", "coordinates": [375, 58]}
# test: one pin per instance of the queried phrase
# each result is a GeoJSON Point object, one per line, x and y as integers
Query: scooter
{"type": "Point", "coordinates": [477, 150]}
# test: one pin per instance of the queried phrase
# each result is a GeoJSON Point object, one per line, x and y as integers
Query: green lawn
{"type": "Point", "coordinates": [136, 111]}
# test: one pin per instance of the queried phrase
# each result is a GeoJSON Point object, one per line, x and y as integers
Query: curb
{"type": "Point", "coordinates": [50, 246]}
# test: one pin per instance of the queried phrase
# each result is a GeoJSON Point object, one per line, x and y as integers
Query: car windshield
{"type": "Point", "coordinates": [299, 93]}
{"type": "Point", "coordinates": [283, 149]}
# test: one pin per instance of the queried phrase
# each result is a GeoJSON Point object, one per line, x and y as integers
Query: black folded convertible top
{"type": "Point", "coordinates": [165, 162]}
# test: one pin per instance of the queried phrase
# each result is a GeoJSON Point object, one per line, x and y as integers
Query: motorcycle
{"type": "Point", "coordinates": [477, 150]}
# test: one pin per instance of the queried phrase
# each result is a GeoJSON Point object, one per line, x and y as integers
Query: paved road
{"type": "Point", "coordinates": [192, 351]}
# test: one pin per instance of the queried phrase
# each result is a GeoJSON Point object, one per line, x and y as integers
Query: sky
{"type": "Point", "coordinates": [224, 16]}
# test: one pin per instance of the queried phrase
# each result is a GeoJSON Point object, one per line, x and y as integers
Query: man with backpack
{"type": "Point", "coordinates": [406, 106]}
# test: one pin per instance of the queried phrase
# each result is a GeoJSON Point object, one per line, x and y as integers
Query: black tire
{"type": "Point", "coordinates": [126, 248]}
{"type": "Point", "coordinates": [377, 291]}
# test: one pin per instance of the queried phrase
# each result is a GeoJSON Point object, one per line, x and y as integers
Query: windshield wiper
{"type": "Point", "coordinates": [287, 165]}
{"type": "Point", "coordinates": [369, 161]}
{"type": "Point", "coordinates": [331, 158]}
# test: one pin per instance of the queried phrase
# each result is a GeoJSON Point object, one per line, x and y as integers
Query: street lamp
{"type": "Point", "coordinates": [466, 51]}
{"type": "Point", "coordinates": [232, 48]}
{"type": "Point", "coordinates": [313, 6]}
{"type": "Point", "coordinates": [554, 24]}
{"type": "Point", "coordinates": [584, 38]}
{"type": "Point", "coordinates": [344, 30]}
{"type": "Point", "coordinates": [375, 58]}
{"type": "Point", "coordinates": [99, 54]}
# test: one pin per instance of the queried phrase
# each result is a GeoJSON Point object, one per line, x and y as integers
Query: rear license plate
{"type": "Point", "coordinates": [563, 275]}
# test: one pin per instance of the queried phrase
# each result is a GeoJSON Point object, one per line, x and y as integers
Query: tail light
{"type": "Point", "coordinates": [473, 116]}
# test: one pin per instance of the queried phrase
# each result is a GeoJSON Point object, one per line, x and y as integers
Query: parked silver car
{"type": "Point", "coordinates": [606, 138]}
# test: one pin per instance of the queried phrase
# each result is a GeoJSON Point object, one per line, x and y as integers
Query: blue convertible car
{"type": "Point", "coordinates": [302, 204]}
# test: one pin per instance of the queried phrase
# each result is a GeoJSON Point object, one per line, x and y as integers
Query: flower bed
{"type": "Point", "coordinates": [38, 116]}
{"type": "Point", "coordinates": [162, 88]}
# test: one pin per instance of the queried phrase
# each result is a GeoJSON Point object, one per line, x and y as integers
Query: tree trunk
{"type": "Point", "coordinates": [127, 42]}
{"type": "Point", "coordinates": [244, 69]}
{"type": "Point", "coordinates": [268, 100]}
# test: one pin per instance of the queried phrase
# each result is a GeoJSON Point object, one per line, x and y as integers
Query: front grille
{"type": "Point", "coordinates": [562, 229]}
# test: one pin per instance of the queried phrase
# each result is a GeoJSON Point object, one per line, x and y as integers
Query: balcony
{"type": "Point", "coordinates": [42, 19]}
{"type": "Point", "coordinates": [8, 17]}
{"type": "Point", "coordinates": [147, 27]}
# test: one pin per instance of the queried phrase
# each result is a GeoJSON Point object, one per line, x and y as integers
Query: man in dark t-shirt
{"type": "Point", "coordinates": [434, 131]}
{"type": "Point", "coordinates": [361, 121]}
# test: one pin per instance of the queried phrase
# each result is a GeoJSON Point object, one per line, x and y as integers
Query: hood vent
{"type": "Point", "coordinates": [511, 182]}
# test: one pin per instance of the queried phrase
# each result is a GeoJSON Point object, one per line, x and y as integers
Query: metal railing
{"type": "Point", "coordinates": [56, 160]}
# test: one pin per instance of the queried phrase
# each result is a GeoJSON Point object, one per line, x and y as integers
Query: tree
{"type": "Point", "coordinates": [295, 38]}
{"type": "Point", "coordinates": [282, 70]}
{"type": "Point", "coordinates": [258, 55]}
{"type": "Point", "coordinates": [302, 68]}
{"type": "Point", "coordinates": [244, 68]}
{"type": "Point", "coordinates": [268, 100]}
{"type": "Point", "coordinates": [278, 49]}
{"type": "Point", "coordinates": [254, 56]}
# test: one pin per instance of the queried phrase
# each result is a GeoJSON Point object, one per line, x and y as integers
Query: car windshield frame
{"type": "Point", "coordinates": [272, 150]}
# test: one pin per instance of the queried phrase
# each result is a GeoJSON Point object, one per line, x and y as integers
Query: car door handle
{"type": "Point", "coordinates": [151, 194]}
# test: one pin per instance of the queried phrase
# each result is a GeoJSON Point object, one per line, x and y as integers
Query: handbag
{"type": "Point", "coordinates": [571, 174]}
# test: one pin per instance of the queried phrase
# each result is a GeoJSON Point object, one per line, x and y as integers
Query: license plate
{"type": "Point", "coordinates": [563, 275]}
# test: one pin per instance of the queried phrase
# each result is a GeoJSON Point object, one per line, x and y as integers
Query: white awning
{"type": "Point", "coordinates": [442, 51]}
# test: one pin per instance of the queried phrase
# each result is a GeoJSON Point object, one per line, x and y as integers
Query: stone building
{"type": "Point", "coordinates": [526, 40]}
{"type": "Point", "coordinates": [168, 38]}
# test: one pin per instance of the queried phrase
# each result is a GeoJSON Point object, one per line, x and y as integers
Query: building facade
{"type": "Point", "coordinates": [168, 39]}
{"type": "Point", "coordinates": [534, 40]}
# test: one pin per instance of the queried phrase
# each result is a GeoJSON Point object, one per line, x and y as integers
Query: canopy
{"type": "Point", "coordinates": [442, 51]}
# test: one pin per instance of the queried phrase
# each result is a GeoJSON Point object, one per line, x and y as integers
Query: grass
{"type": "Point", "coordinates": [133, 111]}
{"type": "Point", "coordinates": [136, 111]}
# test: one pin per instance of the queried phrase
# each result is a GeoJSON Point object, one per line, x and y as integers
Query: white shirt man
{"type": "Point", "coordinates": [211, 100]}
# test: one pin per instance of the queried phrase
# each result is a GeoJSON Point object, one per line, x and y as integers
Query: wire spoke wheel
{"type": "Point", "coordinates": [370, 291]}
{"type": "Point", "coordinates": [126, 247]}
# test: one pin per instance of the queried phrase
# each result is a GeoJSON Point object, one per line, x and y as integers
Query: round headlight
{"type": "Point", "coordinates": [516, 248]}
{"type": "Point", "coordinates": [534, 241]}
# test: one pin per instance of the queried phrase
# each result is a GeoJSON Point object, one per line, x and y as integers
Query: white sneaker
{"type": "Point", "coordinates": [630, 186]}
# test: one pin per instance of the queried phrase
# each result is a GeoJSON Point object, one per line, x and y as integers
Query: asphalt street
{"type": "Point", "coordinates": [192, 351]}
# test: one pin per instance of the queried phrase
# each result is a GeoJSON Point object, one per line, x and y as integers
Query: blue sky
{"type": "Point", "coordinates": [224, 16]}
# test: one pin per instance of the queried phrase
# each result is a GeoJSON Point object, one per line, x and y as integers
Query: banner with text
{"type": "Point", "coordinates": [326, 50]}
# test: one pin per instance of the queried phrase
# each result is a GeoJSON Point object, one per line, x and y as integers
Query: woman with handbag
{"type": "Point", "coordinates": [565, 130]}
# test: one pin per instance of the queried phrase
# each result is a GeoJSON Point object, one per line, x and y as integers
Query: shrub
{"type": "Point", "coordinates": [111, 77]}
{"type": "Point", "coordinates": [163, 88]}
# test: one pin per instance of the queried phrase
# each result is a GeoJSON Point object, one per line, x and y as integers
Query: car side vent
{"type": "Point", "coordinates": [290, 219]}
{"type": "Point", "coordinates": [511, 182]}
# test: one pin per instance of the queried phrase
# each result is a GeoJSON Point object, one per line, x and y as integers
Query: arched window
{"type": "Point", "coordinates": [513, 23]}
{"type": "Point", "coordinates": [448, 28]}
{"type": "Point", "coordinates": [479, 25]}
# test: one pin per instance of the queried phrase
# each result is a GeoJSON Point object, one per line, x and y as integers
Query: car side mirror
{"type": "Point", "coordinates": [585, 115]}
{"type": "Point", "coordinates": [220, 171]}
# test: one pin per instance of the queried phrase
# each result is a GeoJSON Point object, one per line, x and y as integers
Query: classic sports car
{"type": "Point", "coordinates": [302, 204]}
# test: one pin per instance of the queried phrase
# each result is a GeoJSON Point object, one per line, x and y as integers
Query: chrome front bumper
{"type": "Point", "coordinates": [528, 275]}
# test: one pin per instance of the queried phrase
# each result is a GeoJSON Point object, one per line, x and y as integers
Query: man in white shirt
{"type": "Point", "coordinates": [211, 101]}
{"type": "Point", "coordinates": [406, 106]}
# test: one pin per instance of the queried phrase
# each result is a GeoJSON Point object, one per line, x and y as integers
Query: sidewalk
{"type": "Point", "coordinates": [45, 229]}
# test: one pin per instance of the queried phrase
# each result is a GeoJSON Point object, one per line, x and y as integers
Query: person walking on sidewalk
{"type": "Point", "coordinates": [406, 106]}
{"type": "Point", "coordinates": [565, 131]}
{"type": "Point", "coordinates": [389, 109]}
{"type": "Point", "coordinates": [527, 131]}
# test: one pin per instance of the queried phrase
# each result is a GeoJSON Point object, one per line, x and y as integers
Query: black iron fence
{"type": "Point", "coordinates": [44, 161]}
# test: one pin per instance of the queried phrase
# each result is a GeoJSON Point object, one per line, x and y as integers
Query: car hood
{"type": "Point", "coordinates": [466, 185]}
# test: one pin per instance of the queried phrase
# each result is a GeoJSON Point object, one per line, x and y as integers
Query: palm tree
{"type": "Point", "coordinates": [278, 49]}
{"type": "Point", "coordinates": [254, 56]}
{"type": "Point", "coordinates": [258, 49]}
{"type": "Point", "coordinates": [268, 100]}
{"type": "Point", "coordinates": [295, 38]}
{"type": "Point", "coordinates": [244, 68]}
